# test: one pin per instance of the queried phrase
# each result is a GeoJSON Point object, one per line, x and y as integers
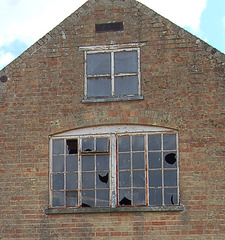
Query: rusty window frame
{"type": "Point", "coordinates": [113, 162]}
{"type": "Point", "coordinates": [112, 49]}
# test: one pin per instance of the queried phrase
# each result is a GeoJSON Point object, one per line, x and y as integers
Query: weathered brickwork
{"type": "Point", "coordinates": [182, 82]}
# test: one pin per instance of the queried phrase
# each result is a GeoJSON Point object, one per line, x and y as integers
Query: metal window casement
{"type": "Point", "coordinates": [113, 167]}
{"type": "Point", "coordinates": [115, 78]}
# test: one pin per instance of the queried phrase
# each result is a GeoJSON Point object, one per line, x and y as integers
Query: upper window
{"type": "Point", "coordinates": [113, 167]}
{"type": "Point", "coordinates": [112, 72]}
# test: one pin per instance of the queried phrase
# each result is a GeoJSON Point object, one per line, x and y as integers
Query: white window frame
{"type": "Point", "coordinates": [113, 132]}
{"type": "Point", "coordinates": [112, 49]}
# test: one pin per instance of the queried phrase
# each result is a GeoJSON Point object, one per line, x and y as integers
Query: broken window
{"type": "Point", "coordinates": [115, 169]}
{"type": "Point", "coordinates": [112, 71]}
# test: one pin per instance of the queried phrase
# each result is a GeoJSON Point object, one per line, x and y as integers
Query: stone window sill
{"type": "Point", "coordinates": [112, 99]}
{"type": "Point", "coordinates": [178, 208]}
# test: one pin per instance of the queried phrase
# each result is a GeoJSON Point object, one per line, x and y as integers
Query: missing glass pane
{"type": "Point", "coordinates": [109, 27]}
{"type": "Point", "coordinates": [72, 147]}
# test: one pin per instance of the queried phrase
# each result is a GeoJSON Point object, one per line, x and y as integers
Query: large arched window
{"type": "Point", "coordinates": [114, 166]}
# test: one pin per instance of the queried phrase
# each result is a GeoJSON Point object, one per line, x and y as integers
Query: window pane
{"type": "Point", "coordinates": [138, 143]}
{"type": "Point", "coordinates": [125, 197]}
{"type": "Point", "coordinates": [102, 144]}
{"type": "Point", "coordinates": [88, 163]}
{"type": "Point", "coordinates": [72, 147]}
{"type": "Point", "coordinates": [58, 147]}
{"type": "Point", "coordinates": [99, 63]}
{"type": "Point", "coordinates": [155, 159]}
{"type": "Point", "coordinates": [169, 142]}
{"type": "Point", "coordinates": [102, 180]}
{"type": "Point", "coordinates": [102, 198]}
{"type": "Point", "coordinates": [154, 142]}
{"type": "Point", "coordinates": [170, 178]}
{"type": "Point", "coordinates": [126, 85]}
{"type": "Point", "coordinates": [124, 179]}
{"type": "Point", "coordinates": [58, 199]}
{"type": "Point", "coordinates": [155, 178]}
{"type": "Point", "coordinates": [72, 181]}
{"type": "Point", "coordinates": [139, 197]}
{"type": "Point", "coordinates": [99, 87]}
{"type": "Point", "coordinates": [138, 178]}
{"type": "Point", "coordinates": [102, 162]}
{"type": "Point", "coordinates": [58, 164]}
{"type": "Point", "coordinates": [124, 144]}
{"type": "Point", "coordinates": [124, 161]}
{"type": "Point", "coordinates": [138, 160]}
{"type": "Point", "coordinates": [170, 159]}
{"type": "Point", "coordinates": [58, 181]}
{"type": "Point", "coordinates": [71, 199]}
{"type": "Point", "coordinates": [88, 198]}
{"type": "Point", "coordinates": [88, 180]}
{"type": "Point", "coordinates": [126, 62]}
{"type": "Point", "coordinates": [71, 163]}
{"type": "Point", "coordinates": [155, 197]}
{"type": "Point", "coordinates": [171, 196]}
{"type": "Point", "coordinates": [87, 144]}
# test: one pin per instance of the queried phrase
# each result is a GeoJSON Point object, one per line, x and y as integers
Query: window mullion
{"type": "Point", "coordinates": [113, 163]}
{"type": "Point", "coordinates": [79, 172]}
{"type": "Point", "coordinates": [85, 74]}
{"type": "Point", "coordinates": [112, 73]}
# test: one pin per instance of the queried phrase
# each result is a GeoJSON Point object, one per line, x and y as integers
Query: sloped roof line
{"type": "Point", "coordinates": [87, 6]}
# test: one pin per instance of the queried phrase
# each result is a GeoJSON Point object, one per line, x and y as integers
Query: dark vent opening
{"type": "Point", "coordinates": [109, 27]}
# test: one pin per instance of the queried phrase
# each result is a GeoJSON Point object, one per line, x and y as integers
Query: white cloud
{"type": "Point", "coordinates": [5, 58]}
{"type": "Point", "coordinates": [183, 13]}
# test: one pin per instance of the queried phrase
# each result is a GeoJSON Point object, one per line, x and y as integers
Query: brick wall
{"type": "Point", "coordinates": [183, 88]}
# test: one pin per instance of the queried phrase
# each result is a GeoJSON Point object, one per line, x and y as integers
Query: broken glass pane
{"type": "Point", "coordinates": [138, 160]}
{"type": "Point", "coordinates": [58, 147]}
{"type": "Point", "coordinates": [102, 180]}
{"type": "Point", "coordinates": [88, 198]}
{"type": "Point", "coordinates": [126, 85]}
{"type": "Point", "coordinates": [71, 199]}
{"type": "Point", "coordinates": [99, 87]}
{"type": "Point", "coordinates": [58, 199]}
{"type": "Point", "coordinates": [58, 181]}
{"type": "Point", "coordinates": [102, 198]}
{"type": "Point", "coordinates": [124, 144]}
{"type": "Point", "coordinates": [72, 147]}
{"type": "Point", "coordinates": [102, 144]}
{"type": "Point", "coordinates": [88, 180]}
{"type": "Point", "coordinates": [88, 144]}
{"type": "Point", "coordinates": [171, 196]}
{"type": "Point", "coordinates": [139, 197]}
{"type": "Point", "coordinates": [71, 181]}
{"type": "Point", "coordinates": [155, 196]}
{"type": "Point", "coordinates": [102, 162]}
{"type": "Point", "coordinates": [126, 62]}
{"type": "Point", "coordinates": [88, 163]}
{"type": "Point", "coordinates": [155, 178]}
{"type": "Point", "coordinates": [124, 161]}
{"type": "Point", "coordinates": [125, 197]}
{"type": "Point", "coordinates": [71, 163]}
{"type": "Point", "coordinates": [124, 179]}
{"type": "Point", "coordinates": [155, 159]}
{"type": "Point", "coordinates": [154, 142]}
{"type": "Point", "coordinates": [138, 143]}
{"type": "Point", "coordinates": [169, 142]}
{"type": "Point", "coordinates": [58, 164]}
{"type": "Point", "coordinates": [170, 159]}
{"type": "Point", "coordinates": [170, 178]}
{"type": "Point", "coordinates": [139, 178]}
{"type": "Point", "coordinates": [99, 64]}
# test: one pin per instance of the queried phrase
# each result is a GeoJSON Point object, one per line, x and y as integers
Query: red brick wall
{"type": "Point", "coordinates": [183, 88]}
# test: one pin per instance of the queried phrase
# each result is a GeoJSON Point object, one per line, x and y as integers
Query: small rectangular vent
{"type": "Point", "coordinates": [109, 27]}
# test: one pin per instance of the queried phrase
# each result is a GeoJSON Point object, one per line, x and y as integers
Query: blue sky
{"type": "Point", "coordinates": [23, 22]}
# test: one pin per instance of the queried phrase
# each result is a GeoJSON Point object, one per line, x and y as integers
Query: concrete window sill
{"type": "Point", "coordinates": [49, 211]}
{"type": "Point", "coordinates": [112, 99]}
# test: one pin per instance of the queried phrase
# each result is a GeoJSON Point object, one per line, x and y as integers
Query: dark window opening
{"type": "Point", "coordinates": [109, 27]}
{"type": "Point", "coordinates": [72, 146]}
